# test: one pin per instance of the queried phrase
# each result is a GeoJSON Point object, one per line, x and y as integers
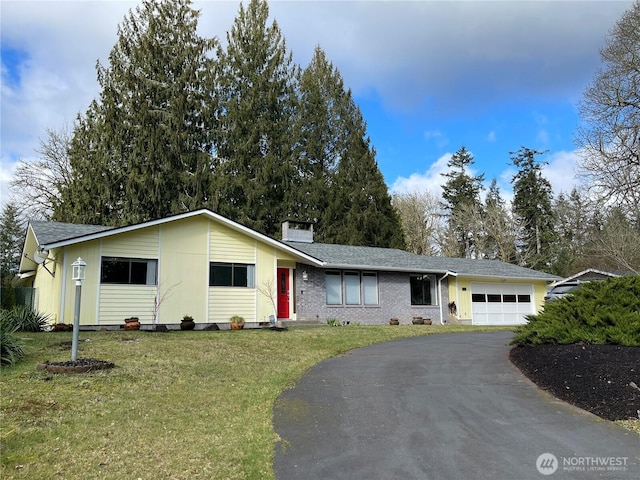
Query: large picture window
{"type": "Point", "coordinates": [231, 275]}
{"type": "Point", "coordinates": [351, 288]}
{"type": "Point", "coordinates": [129, 271]}
{"type": "Point", "coordinates": [423, 290]}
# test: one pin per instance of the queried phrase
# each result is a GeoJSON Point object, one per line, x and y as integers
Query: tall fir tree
{"type": "Point", "coordinates": [359, 211]}
{"type": "Point", "coordinates": [532, 208]}
{"type": "Point", "coordinates": [256, 173]}
{"type": "Point", "coordinates": [142, 150]}
{"type": "Point", "coordinates": [11, 238]}
{"type": "Point", "coordinates": [320, 133]}
{"type": "Point", "coordinates": [461, 195]}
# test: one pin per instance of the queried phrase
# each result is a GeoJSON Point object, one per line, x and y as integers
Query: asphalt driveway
{"type": "Point", "coordinates": [440, 407]}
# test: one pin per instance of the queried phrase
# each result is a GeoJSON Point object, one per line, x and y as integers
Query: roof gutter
{"type": "Point", "coordinates": [346, 266]}
{"type": "Point", "coordinates": [446, 274]}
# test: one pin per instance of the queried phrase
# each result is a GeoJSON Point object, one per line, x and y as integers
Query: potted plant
{"type": "Point", "coordinates": [417, 321]}
{"type": "Point", "coordinates": [187, 323]}
{"type": "Point", "coordinates": [237, 322]}
{"type": "Point", "coordinates": [394, 321]}
{"type": "Point", "coordinates": [132, 323]}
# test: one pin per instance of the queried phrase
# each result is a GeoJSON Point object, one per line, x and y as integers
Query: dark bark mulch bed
{"type": "Point", "coordinates": [81, 365]}
{"type": "Point", "coordinates": [602, 379]}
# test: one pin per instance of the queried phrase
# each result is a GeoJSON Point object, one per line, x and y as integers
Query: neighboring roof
{"type": "Point", "coordinates": [54, 234]}
{"type": "Point", "coordinates": [390, 259]}
{"type": "Point", "coordinates": [588, 275]}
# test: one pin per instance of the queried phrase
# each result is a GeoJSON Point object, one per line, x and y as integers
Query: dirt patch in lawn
{"type": "Point", "coordinates": [602, 379]}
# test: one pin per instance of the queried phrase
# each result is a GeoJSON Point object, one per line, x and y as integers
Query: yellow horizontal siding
{"type": "Point", "coordinates": [224, 302]}
{"type": "Point", "coordinates": [118, 302]}
{"type": "Point", "coordinates": [89, 300]}
{"type": "Point", "coordinates": [184, 270]}
{"type": "Point", "coordinates": [227, 245]}
{"type": "Point", "coordinates": [138, 244]}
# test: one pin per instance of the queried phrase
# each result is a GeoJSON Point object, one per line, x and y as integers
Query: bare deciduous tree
{"type": "Point", "coordinates": [500, 233]}
{"type": "Point", "coordinates": [609, 137]}
{"type": "Point", "coordinates": [616, 243]}
{"type": "Point", "coordinates": [40, 182]}
{"type": "Point", "coordinates": [421, 220]}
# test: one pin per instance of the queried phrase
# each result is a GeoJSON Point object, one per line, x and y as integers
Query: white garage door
{"type": "Point", "coordinates": [501, 304]}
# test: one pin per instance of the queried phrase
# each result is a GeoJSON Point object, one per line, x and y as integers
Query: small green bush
{"type": "Point", "coordinates": [601, 312]}
{"type": "Point", "coordinates": [10, 349]}
{"type": "Point", "coordinates": [334, 322]}
{"type": "Point", "coordinates": [25, 319]}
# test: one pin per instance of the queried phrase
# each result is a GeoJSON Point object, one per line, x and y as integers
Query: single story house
{"type": "Point", "coordinates": [211, 268]}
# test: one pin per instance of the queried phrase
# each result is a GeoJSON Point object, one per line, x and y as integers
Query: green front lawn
{"type": "Point", "coordinates": [178, 405]}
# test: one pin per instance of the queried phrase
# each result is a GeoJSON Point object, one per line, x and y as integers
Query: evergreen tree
{"type": "Point", "coordinates": [11, 242]}
{"type": "Point", "coordinates": [321, 131]}
{"type": "Point", "coordinates": [256, 174]}
{"type": "Point", "coordinates": [461, 194]}
{"type": "Point", "coordinates": [11, 238]}
{"type": "Point", "coordinates": [359, 210]}
{"type": "Point", "coordinates": [532, 208]}
{"type": "Point", "coordinates": [142, 151]}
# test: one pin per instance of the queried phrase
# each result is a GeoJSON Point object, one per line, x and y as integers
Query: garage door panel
{"type": "Point", "coordinates": [501, 303]}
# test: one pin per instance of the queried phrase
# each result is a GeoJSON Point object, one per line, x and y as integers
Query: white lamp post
{"type": "Point", "coordinates": [79, 267]}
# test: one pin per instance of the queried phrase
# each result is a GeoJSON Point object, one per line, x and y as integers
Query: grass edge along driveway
{"type": "Point", "coordinates": [178, 405]}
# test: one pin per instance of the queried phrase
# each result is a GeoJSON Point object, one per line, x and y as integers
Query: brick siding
{"type": "Point", "coordinates": [393, 300]}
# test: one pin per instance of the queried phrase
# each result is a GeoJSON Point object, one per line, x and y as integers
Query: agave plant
{"type": "Point", "coordinates": [25, 319]}
{"type": "Point", "coordinates": [10, 350]}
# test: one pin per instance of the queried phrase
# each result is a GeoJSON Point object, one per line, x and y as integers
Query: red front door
{"type": "Point", "coordinates": [283, 293]}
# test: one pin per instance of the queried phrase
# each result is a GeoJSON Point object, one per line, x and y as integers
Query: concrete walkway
{"type": "Point", "coordinates": [441, 407]}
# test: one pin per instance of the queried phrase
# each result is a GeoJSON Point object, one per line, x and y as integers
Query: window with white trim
{"type": "Point", "coordinates": [223, 274]}
{"type": "Point", "coordinates": [129, 271]}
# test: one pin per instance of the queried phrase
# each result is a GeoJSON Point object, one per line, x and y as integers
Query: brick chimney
{"type": "Point", "coordinates": [295, 231]}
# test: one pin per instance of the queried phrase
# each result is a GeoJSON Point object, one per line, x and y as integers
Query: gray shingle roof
{"type": "Point", "coordinates": [373, 258]}
{"type": "Point", "coordinates": [50, 232]}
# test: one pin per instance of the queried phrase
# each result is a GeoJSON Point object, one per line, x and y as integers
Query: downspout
{"type": "Point", "coordinates": [447, 273]}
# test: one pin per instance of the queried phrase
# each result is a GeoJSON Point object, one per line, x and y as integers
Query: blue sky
{"type": "Point", "coordinates": [429, 76]}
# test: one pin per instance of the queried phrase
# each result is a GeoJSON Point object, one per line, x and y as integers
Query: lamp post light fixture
{"type": "Point", "coordinates": [79, 267]}
{"type": "Point", "coordinates": [78, 273]}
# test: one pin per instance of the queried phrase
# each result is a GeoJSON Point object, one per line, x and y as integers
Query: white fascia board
{"type": "Point", "coordinates": [506, 278]}
{"type": "Point", "coordinates": [204, 212]}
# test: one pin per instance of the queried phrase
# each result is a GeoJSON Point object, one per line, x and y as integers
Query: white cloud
{"type": "Point", "coordinates": [491, 137]}
{"type": "Point", "coordinates": [542, 137]}
{"type": "Point", "coordinates": [430, 181]}
{"type": "Point", "coordinates": [561, 171]}
{"type": "Point", "coordinates": [7, 168]}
